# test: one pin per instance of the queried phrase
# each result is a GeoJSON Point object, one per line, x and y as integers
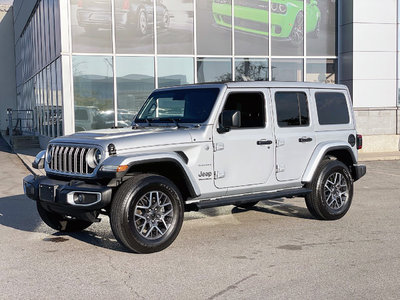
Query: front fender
{"type": "Point", "coordinates": [109, 167]}
{"type": "Point", "coordinates": [319, 154]}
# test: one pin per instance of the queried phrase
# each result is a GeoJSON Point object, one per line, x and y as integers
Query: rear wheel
{"type": "Point", "coordinates": [332, 191]}
{"type": "Point", "coordinates": [147, 213]}
{"type": "Point", "coordinates": [59, 222]}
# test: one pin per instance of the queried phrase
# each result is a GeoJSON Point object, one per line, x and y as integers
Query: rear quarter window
{"type": "Point", "coordinates": [332, 108]}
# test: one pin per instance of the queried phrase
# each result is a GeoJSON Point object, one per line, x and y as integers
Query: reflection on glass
{"type": "Point", "coordinates": [251, 69]}
{"type": "Point", "coordinates": [134, 22]}
{"type": "Point", "coordinates": [175, 71]}
{"type": "Point", "coordinates": [287, 26]}
{"type": "Point", "coordinates": [287, 69]}
{"type": "Point", "coordinates": [176, 35]}
{"type": "Point", "coordinates": [321, 32]}
{"type": "Point", "coordinates": [93, 92]}
{"type": "Point", "coordinates": [321, 70]}
{"type": "Point", "coordinates": [214, 23]}
{"type": "Point", "coordinates": [214, 69]}
{"type": "Point", "coordinates": [251, 27]}
{"type": "Point", "coordinates": [135, 82]}
{"type": "Point", "coordinates": [91, 26]}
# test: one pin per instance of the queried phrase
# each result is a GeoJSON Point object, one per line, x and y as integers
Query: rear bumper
{"type": "Point", "coordinates": [359, 171]}
{"type": "Point", "coordinates": [73, 198]}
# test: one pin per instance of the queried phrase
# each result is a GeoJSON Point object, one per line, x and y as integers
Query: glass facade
{"type": "Point", "coordinates": [120, 50]}
{"type": "Point", "coordinates": [38, 69]}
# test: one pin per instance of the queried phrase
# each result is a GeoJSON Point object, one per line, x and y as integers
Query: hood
{"type": "Point", "coordinates": [128, 138]}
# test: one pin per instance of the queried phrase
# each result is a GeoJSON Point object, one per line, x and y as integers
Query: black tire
{"type": "Point", "coordinates": [297, 34]}
{"type": "Point", "coordinates": [247, 205]}
{"type": "Point", "coordinates": [332, 191]}
{"type": "Point", "coordinates": [128, 212]}
{"type": "Point", "coordinates": [165, 20]}
{"type": "Point", "coordinates": [59, 222]}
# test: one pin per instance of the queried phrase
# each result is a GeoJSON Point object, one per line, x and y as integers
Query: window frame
{"type": "Point", "coordinates": [265, 119]}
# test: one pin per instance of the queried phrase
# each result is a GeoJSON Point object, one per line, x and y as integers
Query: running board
{"type": "Point", "coordinates": [301, 192]}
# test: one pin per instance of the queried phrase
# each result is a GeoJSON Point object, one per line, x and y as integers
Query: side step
{"type": "Point", "coordinates": [301, 192]}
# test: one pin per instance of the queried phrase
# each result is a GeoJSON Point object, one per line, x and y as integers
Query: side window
{"type": "Point", "coordinates": [251, 107]}
{"type": "Point", "coordinates": [292, 109]}
{"type": "Point", "coordinates": [332, 108]}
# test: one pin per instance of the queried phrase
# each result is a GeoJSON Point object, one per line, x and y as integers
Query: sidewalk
{"type": "Point", "coordinates": [27, 156]}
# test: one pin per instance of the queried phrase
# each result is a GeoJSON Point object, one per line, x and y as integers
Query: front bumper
{"type": "Point", "coordinates": [359, 171]}
{"type": "Point", "coordinates": [73, 198]}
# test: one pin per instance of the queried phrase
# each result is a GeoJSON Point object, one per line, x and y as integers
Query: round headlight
{"type": "Point", "coordinates": [274, 6]}
{"type": "Point", "coordinates": [282, 8]}
{"type": "Point", "coordinates": [93, 158]}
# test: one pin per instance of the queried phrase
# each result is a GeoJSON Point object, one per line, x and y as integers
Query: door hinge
{"type": "Point", "coordinates": [218, 147]}
{"type": "Point", "coordinates": [280, 142]}
{"type": "Point", "coordinates": [280, 168]}
{"type": "Point", "coordinates": [219, 174]}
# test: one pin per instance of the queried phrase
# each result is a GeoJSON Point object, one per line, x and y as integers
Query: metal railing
{"type": "Point", "coordinates": [20, 122]}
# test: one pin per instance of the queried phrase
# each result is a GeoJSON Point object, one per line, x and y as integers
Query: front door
{"type": "Point", "coordinates": [245, 156]}
{"type": "Point", "coordinates": [295, 137]}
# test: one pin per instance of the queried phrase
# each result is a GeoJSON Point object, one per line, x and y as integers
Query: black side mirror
{"type": "Point", "coordinates": [229, 119]}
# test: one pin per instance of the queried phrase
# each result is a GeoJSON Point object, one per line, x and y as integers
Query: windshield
{"type": "Point", "coordinates": [184, 106]}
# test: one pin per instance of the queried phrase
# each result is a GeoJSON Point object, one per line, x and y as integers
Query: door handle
{"type": "Point", "coordinates": [305, 139]}
{"type": "Point", "coordinates": [264, 142]}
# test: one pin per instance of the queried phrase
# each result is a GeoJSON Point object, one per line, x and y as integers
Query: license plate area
{"type": "Point", "coordinates": [47, 192]}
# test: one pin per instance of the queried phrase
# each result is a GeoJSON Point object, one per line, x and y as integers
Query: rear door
{"type": "Point", "coordinates": [295, 137]}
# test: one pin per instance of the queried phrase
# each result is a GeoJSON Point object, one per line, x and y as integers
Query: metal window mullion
{"type": "Point", "coordinates": [115, 94]}
{"type": "Point", "coordinates": [155, 44]}
{"type": "Point", "coordinates": [269, 42]}
{"type": "Point", "coordinates": [195, 39]}
{"type": "Point", "coordinates": [233, 39]}
{"type": "Point", "coordinates": [305, 41]}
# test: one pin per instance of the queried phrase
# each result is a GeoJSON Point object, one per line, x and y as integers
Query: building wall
{"type": "Point", "coordinates": [7, 65]}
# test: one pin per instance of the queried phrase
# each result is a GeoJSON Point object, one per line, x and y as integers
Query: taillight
{"type": "Point", "coordinates": [125, 5]}
{"type": "Point", "coordinates": [359, 142]}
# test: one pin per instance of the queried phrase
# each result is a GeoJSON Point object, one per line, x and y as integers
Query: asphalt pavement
{"type": "Point", "coordinates": [273, 251]}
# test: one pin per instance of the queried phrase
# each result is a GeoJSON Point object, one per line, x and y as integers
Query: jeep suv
{"type": "Point", "coordinates": [200, 146]}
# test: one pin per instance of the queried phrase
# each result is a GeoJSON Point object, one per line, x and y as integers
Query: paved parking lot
{"type": "Point", "coordinates": [275, 250]}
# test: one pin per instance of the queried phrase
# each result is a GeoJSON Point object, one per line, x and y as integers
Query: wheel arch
{"type": "Point", "coordinates": [340, 151]}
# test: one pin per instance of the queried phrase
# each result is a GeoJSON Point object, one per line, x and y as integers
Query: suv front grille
{"type": "Point", "coordinates": [69, 159]}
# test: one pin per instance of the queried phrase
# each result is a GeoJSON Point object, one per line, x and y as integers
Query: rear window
{"type": "Point", "coordinates": [332, 108]}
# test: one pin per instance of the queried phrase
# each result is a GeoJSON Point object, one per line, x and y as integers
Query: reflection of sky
{"type": "Point", "coordinates": [135, 65]}
{"type": "Point", "coordinates": [89, 65]}
{"type": "Point", "coordinates": [6, 2]}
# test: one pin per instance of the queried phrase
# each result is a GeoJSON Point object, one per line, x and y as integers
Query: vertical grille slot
{"type": "Point", "coordinates": [69, 159]}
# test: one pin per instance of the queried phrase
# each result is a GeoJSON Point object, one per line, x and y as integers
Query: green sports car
{"type": "Point", "coordinates": [287, 17]}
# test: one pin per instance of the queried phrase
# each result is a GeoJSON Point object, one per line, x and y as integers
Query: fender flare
{"type": "Point", "coordinates": [319, 154]}
{"type": "Point", "coordinates": [110, 165]}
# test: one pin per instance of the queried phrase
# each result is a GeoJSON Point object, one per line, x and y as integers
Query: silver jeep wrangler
{"type": "Point", "coordinates": [200, 146]}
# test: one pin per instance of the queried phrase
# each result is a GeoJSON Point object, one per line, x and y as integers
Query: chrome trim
{"type": "Point", "coordinates": [70, 198]}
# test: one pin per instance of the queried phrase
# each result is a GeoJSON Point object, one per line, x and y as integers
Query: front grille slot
{"type": "Point", "coordinates": [69, 159]}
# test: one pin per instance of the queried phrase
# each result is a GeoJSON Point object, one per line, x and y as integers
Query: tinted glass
{"type": "Point", "coordinates": [321, 27]}
{"type": "Point", "coordinates": [214, 69]}
{"type": "Point", "coordinates": [174, 71]}
{"type": "Point", "coordinates": [135, 82]}
{"type": "Point", "coordinates": [291, 109]}
{"type": "Point", "coordinates": [134, 21]}
{"type": "Point", "coordinates": [175, 27]}
{"type": "Point", "coordinates": [332, 108]}
{"type": "Point", "coordinates": [214, 27]}
{"type": "Point", "coordinates": [287, 69]}
{"type": "Point", "coordinates": [94, 91]}
{"type": "Point", "coordinates": [91, 26]}
{"type": "Point", "coordinates": [251, 69]}
{"type": "Point", "coordinates": [321, 70]}
{"type": "Point", "coordinates": [287, 27]}
{"type": "Point", "coordinates": [251, 107]}
{"type": "Point", "coordinates": [251, 27]}
{"type": "Point", "coordinates": [185, 106]}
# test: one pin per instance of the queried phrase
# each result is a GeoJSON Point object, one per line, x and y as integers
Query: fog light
{"type": "Point", "coordinates": [29, 190]}
{"type": "Point", "coordinates": [83, 198]}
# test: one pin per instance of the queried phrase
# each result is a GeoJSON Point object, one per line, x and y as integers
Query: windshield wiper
{"type": "Point", "coordinates": [176, 123]}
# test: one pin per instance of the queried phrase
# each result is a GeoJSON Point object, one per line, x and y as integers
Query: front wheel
{"type": "Point", "coordinates": [332, 191]}
{"type": "Point", "coordinates": [147, 213]}
{"type": "Point", "coordinates": [297, 34]}
{"type": "Point", "coordinates": [59, 222]}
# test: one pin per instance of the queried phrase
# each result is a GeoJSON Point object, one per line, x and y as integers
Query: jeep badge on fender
{"type": "Point", "coordinates": [201, 146]}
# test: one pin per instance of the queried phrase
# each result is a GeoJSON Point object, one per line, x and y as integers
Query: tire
{"type": "Point", "coordinates": [142, 22]}
{"type": "Point", "coordinates": [297, 34]}
{"type": "Point", "coordinates": [59, 222]}
{"type": "Point", "coordinates": [165, 20]}
{"type": "Point", "coordinates": [247, 205]}
{"type": "Point", "coordinates": [145, 226]}
{"type": "Point", "coordinates": [332, 191]}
